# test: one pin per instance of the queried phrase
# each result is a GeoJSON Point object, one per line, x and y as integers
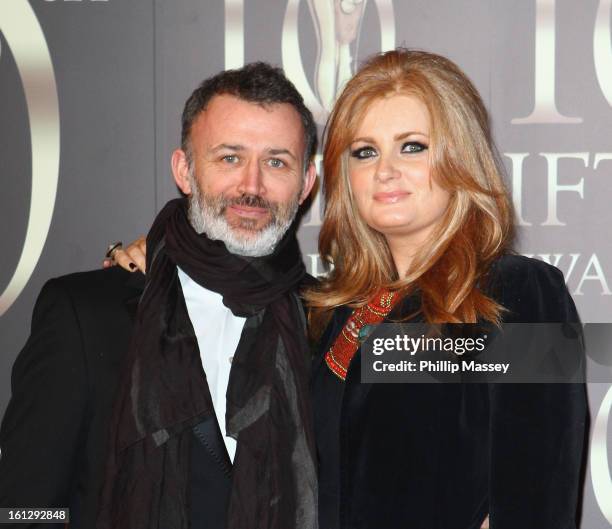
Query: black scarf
{"type": "Point", "coordinates": [164, 391]}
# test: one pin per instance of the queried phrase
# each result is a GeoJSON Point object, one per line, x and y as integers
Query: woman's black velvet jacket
{"type": "Point", "coordinates": [443, 456]}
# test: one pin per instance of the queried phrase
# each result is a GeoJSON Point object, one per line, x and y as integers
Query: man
{"type": "Point", "coordinates": [216, 369]}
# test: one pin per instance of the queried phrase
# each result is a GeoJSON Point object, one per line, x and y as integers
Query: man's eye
{"type": "Point", "coordinates": [276, 163]}
{"type": "Point", "coordinates": [414, 146]}
{"type": "Point", "coordinates": [230, 158]}
{"type": "Point", "coordinates": [362, 153]}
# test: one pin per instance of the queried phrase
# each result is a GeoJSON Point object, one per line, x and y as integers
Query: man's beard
{"type": "Point", "coordinates": [207, 215]}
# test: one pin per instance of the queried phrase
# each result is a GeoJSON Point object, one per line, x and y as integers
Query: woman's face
{"type": "Point", "coordinates": [389, 171]}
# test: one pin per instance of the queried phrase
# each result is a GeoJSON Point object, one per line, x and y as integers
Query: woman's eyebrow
{"type": "Point", "coordinates": [364, 139]}
{"type": "Point", "coordinates": [409, 133]}
{"type": "Point", "coordinates": [397, 137]}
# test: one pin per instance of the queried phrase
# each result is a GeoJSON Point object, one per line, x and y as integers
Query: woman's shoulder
{"type": "Point", "coordinates": [519, 268]}
{"type": "Point", "coordinates": [531, 290]}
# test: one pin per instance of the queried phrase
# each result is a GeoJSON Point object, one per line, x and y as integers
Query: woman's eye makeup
{"type": "Point", "coordinates": [413, 146]}
{"type": "Point", "coordinates": [367, 151]}
{"type": "Point", "coordinates": [363, 153]}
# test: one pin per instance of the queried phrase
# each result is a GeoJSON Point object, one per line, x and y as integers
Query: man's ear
{"type": "Point", "coordinates": [180, 170]}
{"type": "Point", "coordinates": [309, 180]}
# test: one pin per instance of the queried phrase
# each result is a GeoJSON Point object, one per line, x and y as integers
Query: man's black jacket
{"type": "Point", "coordinates": [54, 433]}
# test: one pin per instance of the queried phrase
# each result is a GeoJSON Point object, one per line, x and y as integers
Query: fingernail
{"type": "Point", "coordinates": [132, 266]}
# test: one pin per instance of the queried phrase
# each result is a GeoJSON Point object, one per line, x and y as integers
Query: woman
{"type": "Point", "coordinates": [418, 227]}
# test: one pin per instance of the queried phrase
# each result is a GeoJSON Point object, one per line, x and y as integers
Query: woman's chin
{"type": "Point", "coordinates": [394, 228]}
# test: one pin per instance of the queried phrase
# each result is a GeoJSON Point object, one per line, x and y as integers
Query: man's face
{"type": "Point", "coordinates": [246, 179]}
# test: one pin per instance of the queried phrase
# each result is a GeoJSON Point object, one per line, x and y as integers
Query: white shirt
{"type": "Point", "coordinates": [218, 333]}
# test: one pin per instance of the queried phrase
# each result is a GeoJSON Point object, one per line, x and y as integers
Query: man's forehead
{"type": "Point", "coordinates": [229, 104]}
{"type": "Point", "coordinates": [228, 120]}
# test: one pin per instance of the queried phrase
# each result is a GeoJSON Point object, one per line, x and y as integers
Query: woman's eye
{"type": "Point", "coordinates": [414, 146]}
{"type": "Point", "coordinates": [230, 158]}
{"type": "Point", "coordinates": [276, 163]}
{"type": "Point", "coordinates": [362, 153]}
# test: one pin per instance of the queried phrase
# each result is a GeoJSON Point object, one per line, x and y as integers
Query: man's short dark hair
{"type": "Point", "coordinates": [256, 82]}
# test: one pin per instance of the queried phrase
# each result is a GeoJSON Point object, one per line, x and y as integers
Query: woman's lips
{"type": "Point", "coordinates": [390, 197]}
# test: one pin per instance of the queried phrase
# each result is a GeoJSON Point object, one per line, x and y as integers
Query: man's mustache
{"type": "Point", "coordinates": [253, 201]}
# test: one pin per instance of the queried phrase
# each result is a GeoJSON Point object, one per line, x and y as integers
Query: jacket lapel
{"type": "Point", "coordinates": [136, 282]}
{"type": "Point", "coordinates": [333, 329]}
{"type": "Point", "coordinates": [209, 435]}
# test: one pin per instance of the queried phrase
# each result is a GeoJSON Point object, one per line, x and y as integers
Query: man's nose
{"type": "Point", "coordinates": [251, 182]}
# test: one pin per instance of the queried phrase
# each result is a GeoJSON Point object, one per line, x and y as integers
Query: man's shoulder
{"type": "Point", "coordinates": [308, 281]}
{"type": "Point", "coordinates": [108, 282]}
{"type": "Point", "coordinates": [97, 294]}
{"type": "Point", "coordinates": [305, 284]}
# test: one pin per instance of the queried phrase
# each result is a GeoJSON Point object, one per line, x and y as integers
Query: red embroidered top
{"type": "Point", "coordinates": [340, 354]}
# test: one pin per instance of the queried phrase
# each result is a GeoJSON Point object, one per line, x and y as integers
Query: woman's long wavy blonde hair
{"type": "Point", "coordinates": [477, 226]}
